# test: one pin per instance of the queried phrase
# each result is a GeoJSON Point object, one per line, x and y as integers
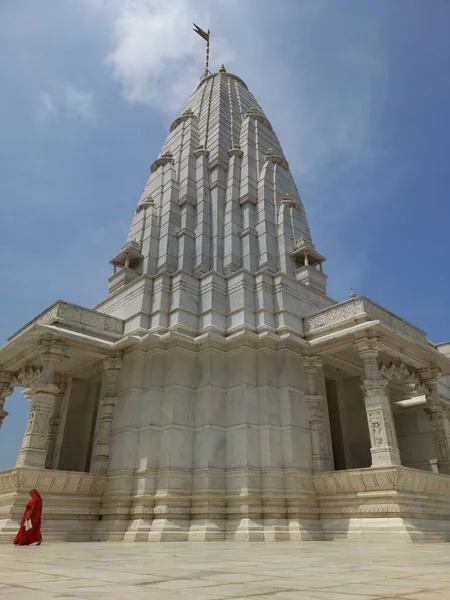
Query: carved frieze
{"type": "Point", "coordinates": [333, 315]}
{"type": "Point", "coordinates": [57, 482]}
{"type": "Point", "coordinates": [79, 316]}
{"type": "Point", "coordinates": [363, 309]}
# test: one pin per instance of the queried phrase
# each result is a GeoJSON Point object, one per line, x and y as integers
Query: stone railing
{"type": "Point", "coordinates": [77, 318]}
{"type": "Point", "coordinates": [383, 479]}
{"type": "Point", "coordinates": [355, 311]}
{"type": "Point", "coordinates": [24, 479]}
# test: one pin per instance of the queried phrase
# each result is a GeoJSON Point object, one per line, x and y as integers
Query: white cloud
{"type": "Point", "coordinates": [67, 101]}
{"type": "Point", "coordinates": [79, 104]}
{"type": "Point", "coordinates": [326, 105]}
{"type": "Point", "coordinates": [156, 56]}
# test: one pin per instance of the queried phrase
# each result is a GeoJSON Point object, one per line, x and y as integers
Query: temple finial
{"type": "Point", "coordinates": [352, 293]}
{"type": "Point", "coordinates": [222, 69]}
{"type": "Point", "coordinates": [205, 36]}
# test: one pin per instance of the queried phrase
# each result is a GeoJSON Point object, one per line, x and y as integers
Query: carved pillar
{"type": "Point", "coordinates": [5, 390]}
{"type": "Point", "coordinates": [105, 415]}
{"type": "Point", "coordinates": [384, 446]}
{"type": "Point", "coordinates": [41, 396]}
{"type": "Point", "coordinates": [439, 422]}
{"type": "Point", "coordinates": [321, 453]}
{"type": "Point", "coordinates": [55, 422]}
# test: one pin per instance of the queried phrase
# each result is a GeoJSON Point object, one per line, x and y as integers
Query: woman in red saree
{"type": "Point", "coordinates": [32, 516]}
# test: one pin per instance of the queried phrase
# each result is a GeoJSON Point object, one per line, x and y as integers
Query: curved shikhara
{"type": "Point", "coordinates": [220, 196]}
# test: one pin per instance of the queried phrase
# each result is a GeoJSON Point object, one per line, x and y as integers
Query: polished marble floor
{"type": "Point", "coordinates": [211, 571]}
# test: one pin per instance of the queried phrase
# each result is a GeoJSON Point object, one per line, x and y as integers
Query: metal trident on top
{"type": "Point", "coordinates": [205, 36]}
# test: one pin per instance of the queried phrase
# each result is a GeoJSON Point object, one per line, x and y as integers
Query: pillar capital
{"type": "Point", "coordinates": [430, 376]}
{"type": "Point", "coordinates": [312, 364]}
{"type": "Point", "coordinates": [374, 388]}
{"type": "Point", "coordinates": [368, 347]}
{"type": "Point", "coordinates": [112, 365]}
{"type": "Point", "coordinates": [51, 351]}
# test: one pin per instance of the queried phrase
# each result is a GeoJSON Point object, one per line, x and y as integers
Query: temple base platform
{"type": "Point", "coordinates": [371, 504]}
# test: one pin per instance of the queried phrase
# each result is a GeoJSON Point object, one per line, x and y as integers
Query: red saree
{"type": "Point", "coordinates": [33, 511]}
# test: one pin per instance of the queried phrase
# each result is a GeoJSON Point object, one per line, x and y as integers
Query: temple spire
{"type": "Point", "coordinates": [220, 196]}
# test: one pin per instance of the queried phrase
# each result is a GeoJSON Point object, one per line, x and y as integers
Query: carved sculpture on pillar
{"type": "Point", "coordinates": [438, 417]}
{"type": "Point", "coordinates": [41, 396]}
{"type": "Point", "coordinates": [5, 390]}
{"type": "Point", "coordinates": [321, 453]}
{"type": "Point", "coordinates": [107, 405]}
{"type": "Point", "coordinates": [384, 446]}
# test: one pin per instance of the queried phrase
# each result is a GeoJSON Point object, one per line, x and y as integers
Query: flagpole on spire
{"type": "Point", "coordinates": [205, 35]}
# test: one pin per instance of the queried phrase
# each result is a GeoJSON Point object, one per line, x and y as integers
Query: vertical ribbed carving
{"type": "Point", "coordinates": [265, 225]}
{"type": "Point", "coordinates": [233, 220]}
{"type": "Point", "coordinates": [203, 220]}
{"type": "Point", "coordinates": [188, 194]}
{"type": "Point", "coordinates": [284, 235]}
{"type": "Point", "coordinates": [149, 245]}
{"type": "Point", "coordinates": [170, 221]}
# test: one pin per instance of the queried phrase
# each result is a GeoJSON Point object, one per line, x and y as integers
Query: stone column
{"type": "Point", "coordinates": [41, 397]}
{"type": "Point", "coordinates": [5, 390]}
{"type": "Point", "coordinates": [321, 453]}
{"type": "Point", "coordinates": [54, 422]}
{"type": "Point", "coordinates": [105, 415]}
{"type": "Point", "coordinates": [439, 422]}
{"type": "Point", "coordinates": [384, 446]}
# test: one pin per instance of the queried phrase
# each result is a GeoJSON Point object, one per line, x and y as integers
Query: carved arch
{"type": "Point", "coordinates": [398, 371]}
{"type": "Point", "coordinates": [26, 377]}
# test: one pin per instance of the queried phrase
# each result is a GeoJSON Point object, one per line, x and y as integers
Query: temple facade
{"type": "Point", "coordinates": [218, 392]}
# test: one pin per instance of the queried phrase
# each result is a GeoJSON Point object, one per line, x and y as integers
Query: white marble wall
{"type": "Point", "coordinates": [210, 445]}
{"type": "Point", "coordinates": [192, 304]}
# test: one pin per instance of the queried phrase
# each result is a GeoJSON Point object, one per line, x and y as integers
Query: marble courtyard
{"type": "Point", "coordinates": [217, 392]}
{"type": "Point", "coordinates": [214, 571]}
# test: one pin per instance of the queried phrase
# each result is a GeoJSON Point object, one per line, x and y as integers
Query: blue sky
{"type": "Point", "coordinates": [358, 92]}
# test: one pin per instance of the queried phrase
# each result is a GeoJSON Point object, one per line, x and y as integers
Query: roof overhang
{"type": "Point", "coordinates": [89, 336]}
{"type": "Point", "coordinates": [335, 329]}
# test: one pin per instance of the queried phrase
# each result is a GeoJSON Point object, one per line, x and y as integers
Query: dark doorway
{"type": "Point", "coordinates": [335, 425]}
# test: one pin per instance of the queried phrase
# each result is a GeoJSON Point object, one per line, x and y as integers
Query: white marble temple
{"type": "Point", "coordinates": [217, 392]}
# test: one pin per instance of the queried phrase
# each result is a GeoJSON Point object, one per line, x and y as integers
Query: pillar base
{"type": "Point", "coordinates": [385, 457]}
